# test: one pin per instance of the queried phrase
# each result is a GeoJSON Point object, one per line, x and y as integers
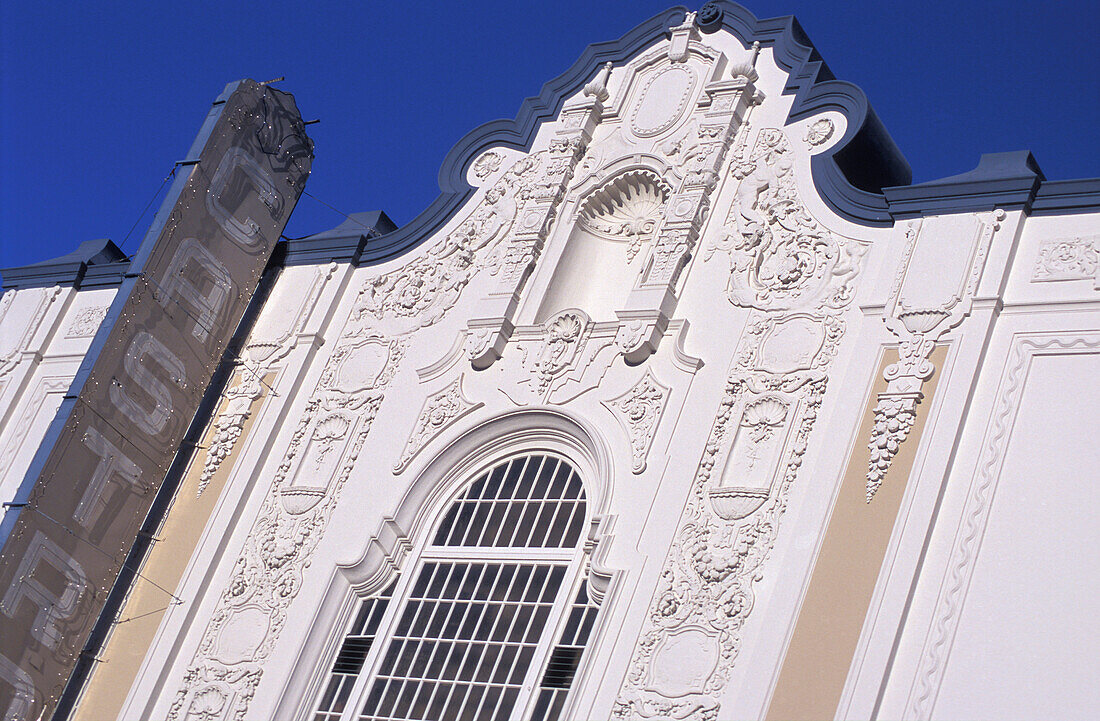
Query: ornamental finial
{"type": "Point", "coordinates": [598, 87]}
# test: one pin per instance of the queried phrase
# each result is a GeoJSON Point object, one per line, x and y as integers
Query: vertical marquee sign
{"type": "Point", "coordinates": [95, 476]}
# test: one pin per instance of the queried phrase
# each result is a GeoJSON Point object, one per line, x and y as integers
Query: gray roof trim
{"type": "Point", "coordinates": [1001, 180]}
{"type": "Point", "coordinates": [849, 176]}
{"type": "Point", "coordinates": [1073, 196]}
{"type": "Point", "coordinates": [94, 264]}
{"type": "Point", "coordinates": [344, 243]}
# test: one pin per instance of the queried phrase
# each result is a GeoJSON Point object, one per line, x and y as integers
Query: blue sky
{"type": "Point", "coordinates": [99, 99]}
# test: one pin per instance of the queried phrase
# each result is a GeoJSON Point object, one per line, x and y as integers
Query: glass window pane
{"type": "Point", "coordinates": [473, 626]}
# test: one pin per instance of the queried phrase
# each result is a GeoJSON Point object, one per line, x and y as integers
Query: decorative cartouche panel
{"type": "Point", "coordinates": [781, 259]}
{"type": "Point", "coordinates": [22, 313]}
{"type": "Point", "coordinates": [797, 278]}
{"type": "Point", "coordinates": [1062, 259]}
{"type": "Point", "coordinates": [933, 292]}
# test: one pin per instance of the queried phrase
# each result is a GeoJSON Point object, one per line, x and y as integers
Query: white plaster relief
{"type": "Point", "coordinates": [330, 434]}
{"type": "Point", "coordinates": [698, 152]}
{"type": "Point", "coordinates": [16, 336]}
{"type": "Point", "coordinates": [639, 411]}
{"type": "Point", "coordinates": [663, 100]}
{"type": "Point", "coordinates": [753, 454]}
{"type": "Point", "coordinates": [487, 164]}
{"type": "Point", "coordinates": [747, 479]}
{"type": "Point", "coordinates": [558, 360]}
{"type": "Point", "coordinates": [598, 87]}
{"type": "Point", "coordinates": [271, 340]}
{"type": "Point", "coordinates": [540, 182]}
{"type": "Point", "coordinates": [228, 426]}
{"type": "Point", "coordinates": [932, 293]}
{"type": "Point", "coordinates": [1068, 259]}
{"type": "Point", "coordinates": [36, 405]}
{"type": "Point", "coordinates": [819, 132]}
{"type": "Point", "coordinates": [439, 412]}
{"type": "Point", "coordinates": [86, 322]}
{"type": "Point", "coordinates": [628, 208]}
{"type": "Point", "coordinates": [682, 37]}
{"type": "Point", "coordinates": [418, 294]}
{"type": "Point", "coordinates": [780, 257]}
{"type": "Point", "coordinates": [983, 487]}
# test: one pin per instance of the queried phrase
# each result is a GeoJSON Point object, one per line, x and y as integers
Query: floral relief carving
{"type": "Point", "coordinates": [709, 573]}
{"type": "Point", "coordinates": [894, 417]}
{"type": "Point", "coordinates": [86, 322]}
{"type": "Point", "coordinates": [228, 426]}
{"type": "Point", "coordinates": [798, 279]}
{"type": "Point", "coordinates": [781, 258]}
{"type": "Point", "coordinates": [419, 293]}
{"type": "Point", "coordinates": [639, 412]}
{"type": "Point", "coordinates": [439, 411]}
{"type": "Point", "coordinates": [323, 451]}
{"type": "Point", "coordinates": [819, 132]}
{"type": "Point", "coordinates": [561, 342]}
{"type": "Point", "coordinates": [558, 360]}
{"type": "Point", "coordinates": [1067, 259]}
{"type": "Point", "coordinates": [487, 164]}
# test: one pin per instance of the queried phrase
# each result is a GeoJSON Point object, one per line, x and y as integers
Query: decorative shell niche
{"type": "Point", "coordinates": [607, 246]}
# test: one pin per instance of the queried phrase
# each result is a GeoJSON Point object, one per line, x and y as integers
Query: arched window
{"type": "Point", "coordinates": [495, 617]}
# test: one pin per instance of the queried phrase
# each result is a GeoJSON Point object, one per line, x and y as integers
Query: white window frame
{"type": "Point", "coordinates": [574, 559]}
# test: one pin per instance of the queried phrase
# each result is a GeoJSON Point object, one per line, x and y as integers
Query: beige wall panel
{"type": "Point", "coordinates": [150, 597]}
{"type": "Point", "coordinates": [847, 568]}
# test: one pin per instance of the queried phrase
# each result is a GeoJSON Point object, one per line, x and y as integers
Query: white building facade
{"type": "Point", "coordinates": [680, 403]}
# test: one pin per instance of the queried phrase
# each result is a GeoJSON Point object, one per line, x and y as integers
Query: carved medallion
{"type": "Point", "coordinates": [663, 100]}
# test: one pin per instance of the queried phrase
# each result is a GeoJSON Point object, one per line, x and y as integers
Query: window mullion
{"type": "Point", "coordinates": [548, 639]}
{"type": "Point", "coordinates": [495, 633]}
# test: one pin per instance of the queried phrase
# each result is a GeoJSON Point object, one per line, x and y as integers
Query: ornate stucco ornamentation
{"type": "Point", "coordinates": [513, 261]}
{"type": "Point", "coordinates": [17, 335]}
{"type": "Point", "coordinates": [707, 583]}
{"type": "Point", "coordinates": [747, 478]}
{"type": "Point", "coordinates": [419, 293]}
{"type": "Point", "coordinates": [746, 67]}
{"type": "Point", "coordinates": [639, 411]}
{"type": "Point", "coordinates": [933, 292]}
{"type": "Point", "coordinates": [487, 164]}
{"type": "Point", "coordinates": [629, 207]}
{"type": "Point", "coordinates": [251, 611]}
{"type": "Point", "coordinates": [1068, 259]}
{"type": "Point", "coordinates": [697, 151]}
{"type": "Point", "coordinates": [440, 410]}
{"type": "Point", "coordinates": [780, 257]}
{"type": "Point", "coordinates": [797, 278]}
{"type": "Point", "coordinates": [598, 87]}
{"type": "Point", "coordinates": [228, 425]}
{"type": "Point", "coordinates": [819, 132]}
{"type": "Point", "coordinates": [709, 17]}
{"type": "Point", "coordinates": [561, 341]}
{"type": "Point", "coordinates": [894, 417]}
{"type": "Point", "coordinates": [86, 322]}
{"type": "Point", "coordinates": [682, 35]}
{"type": "Point", "coordinates": [272, 338]}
